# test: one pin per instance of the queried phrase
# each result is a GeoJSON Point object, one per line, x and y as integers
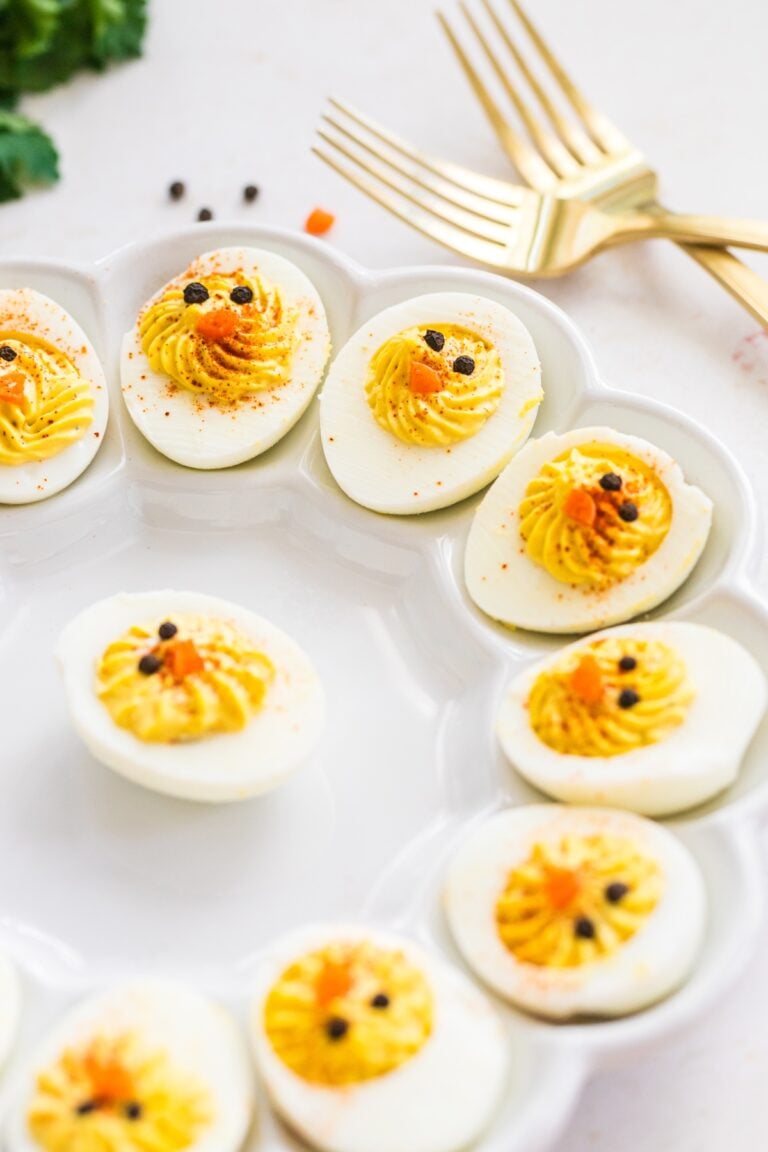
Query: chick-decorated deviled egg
{"type": "Point", "coordinates": [576, 911]}
{"type": "Point", "coordinates": [365, 1043]}
{"type": "Point", "coordinates": [149, 1065]}
{"type": "Point", "coordinates": [427, 402]}
{"type": "Point", "coordinates": [223, 361]}
{"type": "Point", "coordinates": [189, 694]}
{"type": "Point", "coordinates": [583, 530]}
{"type": "Point", "coordinates": [53, 398]}
{"type": "Point", "coordinates": [651, 717]}
{"type": "Point", "coordinates": [10, 1007]}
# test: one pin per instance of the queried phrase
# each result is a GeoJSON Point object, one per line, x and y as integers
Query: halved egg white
{"type": "Point", "coordinates": [27, 311]}
{"type": "Point", "coordinates": [10, 1006]}
{"type": "Point", "coordinates": [191, 431]}
{"type": "Point", "coordinates": [383, 473]}
{"type": "Point", "coordinates": [507, 585]}
{"type": "Point", "coordinates": [440, 1100]}
{"type": "Point", "coordinates": [694, 762]}
{"type": "Point", "coordinates": [649, 966]}
{"type": "Point", "coordinates": [199, 1039]}
{"type": "Point", "coordinates": [221, 767]}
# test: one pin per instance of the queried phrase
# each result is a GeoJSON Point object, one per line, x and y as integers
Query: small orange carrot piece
{"type": "Point", "coordinates": [183, 659]}
{"type": "Point", "coordinates": [110, 1082]}
{"type": "Point", "coordinates": [424, 380]}
{"type": "Point", "coordinates": [12, 387]}
{"type": "Point", "coordinates": [216, 326]}
{"type": "Point", "coordinates": [333, 980]}
{"type": "Point", "coordinates": [319, 222]}
{"type": "Point", "coordinates": [562, 886]}
{"type": "Point", "coordinates": [586, 680]}
{"type": "Point", "coordinates": [580, 506]}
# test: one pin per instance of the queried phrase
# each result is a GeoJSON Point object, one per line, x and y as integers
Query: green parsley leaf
{"type": "Point", "coordinates": [27, 156]}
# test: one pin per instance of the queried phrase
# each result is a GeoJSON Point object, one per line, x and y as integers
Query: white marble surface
{"type": "Point", "coordinates": [229, 93]}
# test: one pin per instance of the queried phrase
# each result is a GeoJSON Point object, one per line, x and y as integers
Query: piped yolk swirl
{"type": "Point", "coordinates": [224, 350]}
{"type": "Point", "coordinates": [210, 678]}
{"type": "Point", "coordinates": [46, 404]}
{"type": "Point", "coordinates": [576, 900]}
{"type": "Point", "coordinates": [115, 1095]}
{"type": "Point", "coordinates": [575, 705]}
{"type": "Point", "coordinates": [455, 407]}
{"type": "Point", "coordinates": [579, 531]}
{"type": "Point", "coordinates": [347, 1013]}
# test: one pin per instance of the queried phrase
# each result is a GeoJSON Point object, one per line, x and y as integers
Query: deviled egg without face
{"type": "Point", "coordinates": [366, 1043]}
{"type": "Point", "coordinates": [583, 530]}
{"type": "Point", "coordinates": [190, 695]}
{"type": "Point", "coordinates": [223, 361]}
{"type": "Point", "coordinates": [53, 398]}
{"type": "Point", "coordinates": [651, 717]}
{"type": "Point", "coordinates": [149, 1065]}
{"type": "Point", "coordinates": [427, 402]}
{"type": "Point", "coordinates": [576, 911]}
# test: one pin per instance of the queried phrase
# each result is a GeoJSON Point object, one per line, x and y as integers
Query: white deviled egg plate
{"type": "Point", "coordinates": [102, 880]}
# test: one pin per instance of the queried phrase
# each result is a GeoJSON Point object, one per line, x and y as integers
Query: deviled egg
{"type": "Point", "coordinates": [189, 694]}
{"type": "Point", "coordinates": [365, 1043]}
{"type": "Point", "coordinates": [651, 717]}
{"type": "Point", "coordinates": [576, 911]}
{"type": "Point", "coordinates": [148, 1065]}
{"type": "Point", "coordinates": [53, 398]}
{"type": "Point", "coordinates": [583, 530]}
{"type": "Point", "coordinates": [10, 1007]}
{"type": "Point", "coordinates": [225, 358]}
{"type": "Point", "coordinates": [426, 403]}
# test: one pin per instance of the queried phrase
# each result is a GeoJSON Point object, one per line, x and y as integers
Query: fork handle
{"type": "Point", "coordinates": [710, 230]}
{"type": "Point", "coordinates": [743, 283]}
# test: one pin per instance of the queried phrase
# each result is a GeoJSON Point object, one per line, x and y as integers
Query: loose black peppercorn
{"type": "Point", "coordinates": [584, 928]}
{"type": "Point", "coordinates": [86, 1107]}
{"type": "Point", "coordinates": [434, 340]}
{"type": "Point", "coordinates": [628, 698]}
{"type": "Point", "coordinates": [133, 1110]}
{"type": "Point", "coordinates": [242, 294]}
{"type": "Point", "coordinates": [176, 190]}
{"type": "Point", "coordinates": [150, 664]}
{"type": "Point", "coordinates": [250, 193]}
{"type": "Point", "coordinates": [167, 630]}
{"type": "Point", "coordinates": [205, 214]}
{"type": "Point", "coordinates": [464, 365]}
{"type": "Point", "coordinates": [616, 891]}
{"type": "Point", "coordinates": [8, 353]}
{"type": "Point", "coordinates": [336, 1027]}
{"type": "Point", "coordinates": [628, 511]}
{"type": "Point", "coordinates": [627, 664]}
{"type": "Point", "coordinates": [380, 1000]}
{"type": "Point", "coordinates": [610, 482]}
{"type": "Point", "coordinates": [195, 293]}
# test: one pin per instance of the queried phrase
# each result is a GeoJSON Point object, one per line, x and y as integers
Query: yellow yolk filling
{"type": "Point", "coordinates": [224, 350]}
{"type": "Point", "coordinates": [115, 1096]}
{"type": "Point", "coordinates": [592, 546]}
{"type": "Point", "coordinates": [576, 900]}
{"type": "Point", "coordinates": [455, 412]}
{"type": "Point", "coordinates": [576, 722]}
{"type": "Point", "coordinates": [348, 1013]}
{"type": "Point", "coordinates": [211, 679]}
{"type": "Point", "coordinates": [55, 408]}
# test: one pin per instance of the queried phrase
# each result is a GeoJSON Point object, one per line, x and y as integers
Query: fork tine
{"type": "Point", "coordinates": [436, 206]}
{"type": "Point", "coordinates": [487, 209]}
{"type": "Point", "coordinates": [605, 134]}
{"type": "Point", "coordinates": [522, 154]}
{"type": "Point", "coordinates": [445, 234]}
{"type": "Point", "coordinates": [551, 148]}
{"type": "Point", "coordinates": [499, 191]}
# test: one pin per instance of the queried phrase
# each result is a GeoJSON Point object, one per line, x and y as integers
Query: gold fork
{"type": "Point", "coordinates": [584, 155]}
{"type": "Point", "coordinates": [530, 233]}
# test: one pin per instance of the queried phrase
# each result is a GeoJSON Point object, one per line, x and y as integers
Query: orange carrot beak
{"type": "Point", "coordinates": [216, 326]}
{"type": "Point", "coordinates": [580, 506]}
{"type": "Point", "coordinates": [423, 380]}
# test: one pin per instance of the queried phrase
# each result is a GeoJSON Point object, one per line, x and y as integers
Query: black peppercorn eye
{"type": "Point", "coordinates": [195, 293]}
{"type": "Point", "coordinates": [611, 482]}
{"type": "Point", "coordinates": [86, 1107]}
{"type": "Point", "coordinates": [584, 928]}
{"type": "Point", "coordinates": [627, 664]}
{"type": "Point", "coordinates": [628, 698]}
{"type": "Point", "coordinates": [167, 630]}
{"type": "Point", "coordinates": [628, 511]}
{"type": "Point", "coordinates": [150, 664]}
{"type": "Point", "coordinates": [464, 365]}
{"type": "Point", "coordinates": [133, 1110]}
{"type": "Point", "coordinates": [434, 340]}
{"type": "Point", "coordinates": [241, 295]}
{"type": "Point", "coordinates": [380, 1000]}
{"type": "Point", "coordinates": [8, 353]}
{"type": "Point", "coordinates": [336, 1028]}
{"type": "Point", "coordinates": [616, 891]}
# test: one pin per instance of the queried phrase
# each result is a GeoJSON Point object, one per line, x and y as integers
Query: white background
{"type": "Point", "coordinates": [230, 93]}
